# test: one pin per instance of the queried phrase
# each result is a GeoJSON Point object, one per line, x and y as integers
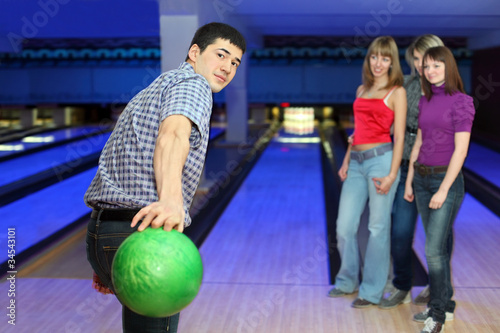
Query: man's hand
{"type": "Point", "coordinates": [166, 215]}
{"type": "Point", "coordinates": [409, 196]}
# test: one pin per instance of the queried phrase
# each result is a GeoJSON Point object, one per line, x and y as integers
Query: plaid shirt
{"type": "Point", "coordinates": [125, 177]}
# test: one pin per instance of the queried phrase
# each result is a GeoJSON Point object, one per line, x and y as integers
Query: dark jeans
{"type": "Point", "coordinates": [438, 226]}
{"type": "Point", "coordinates": [404, 218]}
{"type": "Point", "coordinates": [103, 240]}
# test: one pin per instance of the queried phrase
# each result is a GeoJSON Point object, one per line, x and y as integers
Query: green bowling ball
{"type": "Point", "coordinates": [157, 273]}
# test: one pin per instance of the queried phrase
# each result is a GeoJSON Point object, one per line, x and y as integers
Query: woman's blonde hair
{"type": "Point", "coordinates": [421, 44]}
{"type": "Point", "coordinates": [386, 47]}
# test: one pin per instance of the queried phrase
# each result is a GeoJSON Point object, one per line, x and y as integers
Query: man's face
{"type": "Point", "coordinates": [217, 63]}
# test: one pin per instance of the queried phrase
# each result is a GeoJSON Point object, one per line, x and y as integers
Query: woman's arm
{"type": "Point", "coordinates": [384, 184]}
{"type": "Point", "coordinates": [345, 164]}
{"type": "Point", "coordinates": [347, 158]}
{"type": "Point", "coordinates": [409, 196]}
{"type": "Point", "coordinates": [462, 140]}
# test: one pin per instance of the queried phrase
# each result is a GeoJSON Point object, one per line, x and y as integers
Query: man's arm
{"type": "Point", "coordinates": [409, 195]}
{"type": "Point", "coordinates": [171, 151]}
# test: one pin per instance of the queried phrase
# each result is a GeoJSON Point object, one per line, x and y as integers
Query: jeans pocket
{"type": "Point", "coordinates": [109, 254]}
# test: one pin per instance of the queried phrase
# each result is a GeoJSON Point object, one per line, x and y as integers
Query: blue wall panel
{"type": "Point", "coordinates": [14, 86]}
{"type": "Point", "coordinates": [332, 83]}
{"type": "Point", "coordinates": [78, 19]}
{"type": "Point", "coordinates": [299, 84]}
{"type": "Point", "coordinates": [60, 85]}
{"type": "Point", "coordinates": [119, 85]}
{"type": "Point", "coordinates": [274, 84]}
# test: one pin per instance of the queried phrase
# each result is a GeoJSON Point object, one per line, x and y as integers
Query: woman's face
{"type": "Point", "coordinates": [434, 71]}
{"type": "Point", "coordinates": [379, 64]}
{"type": "Point", "coordinates": [417, 61]}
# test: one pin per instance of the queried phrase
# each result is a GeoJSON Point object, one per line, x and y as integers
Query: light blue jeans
{"type": "Point", "coordinates": [356, 190]}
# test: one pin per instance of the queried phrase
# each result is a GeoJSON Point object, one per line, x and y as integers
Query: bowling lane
{"type": "Point", "coordinates": [485, 162]}
{"type": "Point", "coordinates": [476, 235]}
{"type": "Point", "coordinates": [36, 141]}
{"type": "Point", "coordinates": [474, 267]}
{"type": "Point", "coordinates": [53, 208]}
{"type": "Point", "coordinates": [289, 302]}
{"type": "Point", "coordinates": [269, 246]}
{"type": "Point", "coordinates": [24, 166]}
{"type": "Point", "coordinates": [41, 214]}
{"type": "Point", "coordinates": [216, 131]}
{"type": "Point", "coordinates": [27, 165]}
{"type": "Point", "coordinates": [274, 224]}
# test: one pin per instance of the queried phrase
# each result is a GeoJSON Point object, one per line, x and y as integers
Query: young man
{"type": "Point", "coordinates": [151, 165]}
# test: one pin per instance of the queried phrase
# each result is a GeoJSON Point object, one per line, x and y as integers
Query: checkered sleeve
{"type": "Point", "coordinates": [189, 97]}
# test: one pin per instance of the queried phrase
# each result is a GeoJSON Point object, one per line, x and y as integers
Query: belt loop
{"type": "Point", "coordinates": [98, 219]}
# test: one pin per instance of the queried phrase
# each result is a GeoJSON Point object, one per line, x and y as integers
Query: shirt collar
{"type": "Point", "coordinates": [186, 66]}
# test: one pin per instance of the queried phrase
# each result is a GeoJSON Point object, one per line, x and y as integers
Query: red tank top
{"type": "Point", "coordinates": [373, 120]}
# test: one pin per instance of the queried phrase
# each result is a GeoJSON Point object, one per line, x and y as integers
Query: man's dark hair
{"type": "Point", "coordinates": [210, 32]}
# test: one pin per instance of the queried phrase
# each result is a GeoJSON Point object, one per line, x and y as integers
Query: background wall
{"type": "Point", "coordinates": [486, 91]}
{"type": "Point", "coordinates": [108, 76]}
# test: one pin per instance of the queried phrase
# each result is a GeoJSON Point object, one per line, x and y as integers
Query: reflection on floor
{"type": "Point", "coordinates": [265, 267]}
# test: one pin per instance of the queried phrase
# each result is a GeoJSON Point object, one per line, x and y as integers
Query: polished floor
{"type": "Point", "coordinates": [265, 264]}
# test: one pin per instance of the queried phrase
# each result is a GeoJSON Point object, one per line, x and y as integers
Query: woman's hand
{"type": "Point", "coordinates": [438, 199]}
{"type": "Point", "coordinates": [383, 184]}
{"type": "Point", "coordinates": [343, 170]}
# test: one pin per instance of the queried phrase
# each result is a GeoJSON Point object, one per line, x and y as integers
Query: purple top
{"type": "Point", "coordinates": [439, 120]}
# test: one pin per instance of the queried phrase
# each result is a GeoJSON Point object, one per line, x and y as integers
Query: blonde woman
{"type": "Point", "coordinates": [404, 213]}
{"type": "Point", "coordinates": [370, 172]}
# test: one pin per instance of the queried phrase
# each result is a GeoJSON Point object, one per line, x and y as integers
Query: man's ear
{"type": "Point", "coordinates": [194, 51]}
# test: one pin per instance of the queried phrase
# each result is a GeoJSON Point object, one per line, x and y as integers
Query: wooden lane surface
{"type": "Point", "coordinates": [475, 268]}
{"type": "Point", "coordinates": [265, 269]}
{"type": "Point", "coordinates": [273, 231]}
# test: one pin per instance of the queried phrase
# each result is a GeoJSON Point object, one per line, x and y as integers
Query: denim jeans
{"type": "Point", "coordinates": [438, 226]}
{"type": "Point", "coordinates": [356, 190]}
{"type": "Point", "coordinates": [404, 218]}
{"type": "Point", "coordinates": [103, 240]}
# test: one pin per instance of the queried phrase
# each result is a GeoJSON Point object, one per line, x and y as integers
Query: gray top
{"type": "Point", "coordinates": [413, 95]}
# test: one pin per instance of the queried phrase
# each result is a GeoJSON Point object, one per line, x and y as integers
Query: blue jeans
{"type": "Point", "coordinates": [438, 226]}
{"type": "Point", "coordinates": [404, 218]}
{"type": "Point", "coordinates": [103, 240]}
{"type": "Point", "coordinates": [356, 190]}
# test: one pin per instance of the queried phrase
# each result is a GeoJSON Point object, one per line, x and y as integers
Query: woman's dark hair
{"type": "Point", "coordinates": [452, 80]}
{"type": "Point", "coordinates": [210, 32]}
